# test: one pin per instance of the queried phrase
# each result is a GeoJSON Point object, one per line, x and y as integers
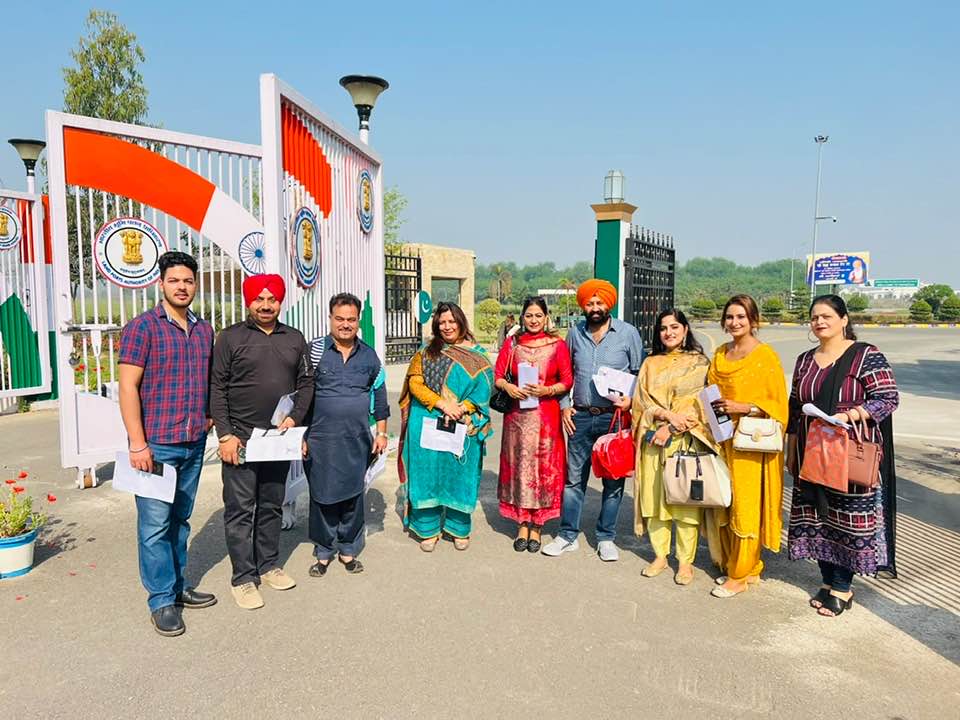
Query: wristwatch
{"type": "Point", "coordinates": [383, 435]}
{"type": "Point", "coordinates": [754, 410]}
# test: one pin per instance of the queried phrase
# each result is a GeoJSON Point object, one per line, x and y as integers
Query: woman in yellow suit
{"type": "Point", "coordinates": [751, 382]}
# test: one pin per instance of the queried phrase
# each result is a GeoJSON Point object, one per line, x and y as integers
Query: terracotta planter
{"type": "Point", "coordinates": [16, 554]}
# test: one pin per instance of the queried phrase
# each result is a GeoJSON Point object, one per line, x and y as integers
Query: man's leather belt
{"type": "Point", "coordinates": [594, 410]}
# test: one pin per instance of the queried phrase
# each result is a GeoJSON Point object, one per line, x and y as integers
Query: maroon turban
{"type": "Point", "coordinates": [255, 284]}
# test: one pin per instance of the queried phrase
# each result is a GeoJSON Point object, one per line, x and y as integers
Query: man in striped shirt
{"type": "Point", "coordinates": [598, 341]}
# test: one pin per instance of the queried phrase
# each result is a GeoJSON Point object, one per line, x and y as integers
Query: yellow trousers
{"type": "Point", "coordinates": [741, 555]}
{"type": "Point", "coordinates": [660, 531]}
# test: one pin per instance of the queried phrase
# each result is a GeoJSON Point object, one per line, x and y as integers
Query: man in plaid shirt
{"type": "Point", "coordinates": [164, 390]}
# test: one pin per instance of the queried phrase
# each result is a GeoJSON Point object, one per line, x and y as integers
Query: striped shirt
{"type": "Point", "coordinates": [620, 349]}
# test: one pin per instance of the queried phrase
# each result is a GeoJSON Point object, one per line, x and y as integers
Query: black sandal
{"type": "Point", "coordinates": [836, 605]}
{"type": "Point", "coordinates": [820, 597]}
{"type": "Point", "coordinates": [353, 567]}
{"type": "Point", "coordinates": [520, 544]}
{"type": "Point", "coordinates": [318, 569]}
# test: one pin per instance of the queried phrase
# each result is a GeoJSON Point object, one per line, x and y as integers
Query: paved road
{"type": "Point", "coordinates": [488, 633]}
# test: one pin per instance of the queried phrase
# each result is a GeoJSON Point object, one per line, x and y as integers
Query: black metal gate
{"type": "Point", "coordinates": [650, 263]}
{"type": "Point", "coordinates": [403, 279]}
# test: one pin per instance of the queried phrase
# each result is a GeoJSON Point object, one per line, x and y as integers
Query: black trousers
{"type": "Point", "coordinates": [252, 513]}
{"type": "Point", "coordinates": [337, 527]}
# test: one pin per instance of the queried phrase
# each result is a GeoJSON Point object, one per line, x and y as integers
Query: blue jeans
{"type": "Point", "coordinates": [579, 447]}
{"type": "Point", "coordinates": [163, 528]}
{"type": "Point", "coordinates": [839, 578]}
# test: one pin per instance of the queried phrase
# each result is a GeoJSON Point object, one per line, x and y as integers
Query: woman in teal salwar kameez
{"type": "Point", "coordinates": [451, 376]}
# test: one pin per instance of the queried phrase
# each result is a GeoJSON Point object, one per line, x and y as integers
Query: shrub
{"type": "Point", "coordinates": [858, 302]}
{"type": "Point", "coordinates": [702, 308]}
{"type": "Point", "coordinates": [488, 316]}
{"type": "Point", "coordinates": [773, 308]}
{"type": "Point", "coordinates": [950, 309]}
{"type": "Point", "coordinates": [921, 311]}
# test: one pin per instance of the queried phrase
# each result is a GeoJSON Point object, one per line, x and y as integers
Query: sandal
{"type": "Point", "coordinates": [820, 598]}
{"type": "Point", "coordinates": [683, 578]}
{"type": "Point", "coordinates": [318, 569]}
{"type": "Point", "coordinates": [461, 543]}
{"type": "Point", "coordinates": [429, 544]}
{"type": "Point", "coordinates": [835, 605]}
{"type": "Point", "coordinates": [653, 569]}
{"type": "Point", "coordinates": [353, 566]}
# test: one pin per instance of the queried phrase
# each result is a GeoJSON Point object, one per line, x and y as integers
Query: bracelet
{"type": "Point", "coordinates": [140, 450]}
{"type": "Point", "coordinates": [225, 438]}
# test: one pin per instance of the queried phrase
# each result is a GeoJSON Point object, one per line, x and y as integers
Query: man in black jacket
{"type": "Point", "coordinates": [255, 363]}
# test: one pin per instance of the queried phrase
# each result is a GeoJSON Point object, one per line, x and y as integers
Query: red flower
{"type": "Point", "coordinates": [51, 497]}
{"type": "Point", "coordinates": [10, 481]}
{"type": "Point", "coordinates": [81, 367]}
{"type": "Point", "coordinates": [23, 474]}
{"type": "Point", "coordinates": [18, 488]}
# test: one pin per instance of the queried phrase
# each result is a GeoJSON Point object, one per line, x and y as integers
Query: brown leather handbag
{"type": "Point", "coordinates": [863, 457]}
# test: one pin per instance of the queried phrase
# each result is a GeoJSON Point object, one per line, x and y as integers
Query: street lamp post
{"type": "Point", "coordinates": [364, 91]}
{"type": "Point", "coordinates": [793, 262]}
{"type": "Point", "coordinates": [29, 151]}
{"type": "Point", "coordinates": [819, 140]}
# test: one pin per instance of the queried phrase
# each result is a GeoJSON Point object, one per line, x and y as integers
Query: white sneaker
{"type": "Point", "coordinates": [608, 551]}
{"type": "Point", "coordinates": [558, 545]}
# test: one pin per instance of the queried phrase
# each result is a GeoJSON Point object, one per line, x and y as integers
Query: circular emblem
{"type": "Point", "coordinates": [253, 253]}
{"type": "Point", "coordinates": [127, 251]}
{"type": "Point", "coordinates": [365, 200]}
{"type": "Point", "coordinates": [306, 246]}
{"type": "Point", "coordinates": [424, 306]}
{"type": "Point", "coordinates": [9, 229]}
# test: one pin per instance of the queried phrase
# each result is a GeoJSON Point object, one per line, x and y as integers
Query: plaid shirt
{"type": "Point", "coordinates": [174, 392]}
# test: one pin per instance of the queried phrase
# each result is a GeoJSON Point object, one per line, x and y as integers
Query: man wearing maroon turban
{"type": "Point", "coordinates": [598, 341]}
{"type": "Point", "coordinates": [256, 363]}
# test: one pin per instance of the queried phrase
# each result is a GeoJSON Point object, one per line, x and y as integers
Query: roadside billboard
{"type": "Point", "coordinates": [846, 268]}
{"type": "Point", "coordinates": [896, 283]}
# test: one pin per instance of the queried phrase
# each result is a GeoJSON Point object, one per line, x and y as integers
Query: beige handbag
{"type": "Point", "coordinates": [699, 478]}
{"type": "Point", "coordinates": [764, 435]}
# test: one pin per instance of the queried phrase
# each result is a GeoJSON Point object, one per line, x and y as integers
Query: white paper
{"type": "Point", "coordinates": [528, 374]}
{"type": "Point", "coordinates": [720, 430]}
{"type": "Point", "coordinates": [284, 408]}
{"type": "Point", "coordinates": [273, 444]}
{"type": "Point", "coordinates": [296, 482]}
{"type": "Point", "coordinates": [614, 384]}
{"type": "Point", "coordinates": [144, 484]}
{"type": "Point", "coordinates": [433, 439]}
{"type": "Point", "coordinates": [813, 411]}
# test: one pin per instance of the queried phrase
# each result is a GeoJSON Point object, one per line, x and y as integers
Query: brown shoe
{"type": "Point", "coordinates": [247, 596]}
{"type": "Point", "coordinates": [278, 579]}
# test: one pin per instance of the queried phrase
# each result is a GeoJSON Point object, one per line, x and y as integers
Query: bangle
{"type": "Point", "coordinates": [382, 434]}
{"type": "Point", "coordinates": [225, 438]}
{"type": "Point", "coordinates": [140, 450]}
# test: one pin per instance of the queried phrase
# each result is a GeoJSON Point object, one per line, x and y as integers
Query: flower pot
{"type": "Point", "coordinates": [16, 554]}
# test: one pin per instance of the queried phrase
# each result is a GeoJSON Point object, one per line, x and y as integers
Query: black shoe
{"type": "Point", "coordinates": [520, 544]}
{"type": "Point", "coordinates": [353, 567]}
{"type": "Point", "coordinates": [167, 622]}
{"type": "Point", "coordinates": [533, 546]}
{"type": "Point", "coordinates": [194, 599]}
{"type": "Point", "coordinates": [835, 606]}
{"type": "Point", "coordinates": [318, 569]}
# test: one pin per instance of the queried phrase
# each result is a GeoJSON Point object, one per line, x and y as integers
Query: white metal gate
{"type": "Point", "coordinates": [319, 225]}
{"type": "Point", "coordinates": [199, 195]}
{"type": "Point", "coordinates": [24, 343]}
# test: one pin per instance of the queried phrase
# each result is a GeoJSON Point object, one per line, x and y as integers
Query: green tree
{"type": "Point", "coordinates": [920, 311]}
{"type": "Point", "coordinates": [950, 309]}
{"type": "Point", "coordinates": [702, 308]}
{"type": "Point", "coordinates": [488, 316]}
{"type": "Point", "coordinates": [394, 203]}
{"type": "Point", "coordinates": [104, 82]}
{"type": "Point", "coordinates": [933, 295]}
{"type": "Point", "coordinates": [773, 308]}
{"type": "Point", "coordinates": [858, 302]}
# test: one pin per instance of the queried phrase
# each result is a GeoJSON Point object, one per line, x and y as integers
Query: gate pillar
{"type": "Point", "coordinates": [614, 220]}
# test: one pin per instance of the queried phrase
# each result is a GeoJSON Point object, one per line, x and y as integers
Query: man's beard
{"type": "Point", "coordinates": [597, 317]}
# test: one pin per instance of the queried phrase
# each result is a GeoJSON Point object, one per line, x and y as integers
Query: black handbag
{"type": "Point", "coordinates": [500, 400]}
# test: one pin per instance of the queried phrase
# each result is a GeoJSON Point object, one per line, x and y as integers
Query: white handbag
{"type": "Point", "coordinates": [764, 435]}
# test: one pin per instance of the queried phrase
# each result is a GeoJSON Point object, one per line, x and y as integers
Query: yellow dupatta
{"type": "Point", "coordinates": [671, 381]}
{"type": "Point", "coordinates": [757, 478]}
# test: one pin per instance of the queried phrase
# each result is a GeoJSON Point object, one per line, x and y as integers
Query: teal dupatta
{"type": "Point", "coordinates": [440, 478]}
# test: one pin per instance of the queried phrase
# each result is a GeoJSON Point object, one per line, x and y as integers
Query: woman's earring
{"type": "Point", "coordinates": [811, 339]}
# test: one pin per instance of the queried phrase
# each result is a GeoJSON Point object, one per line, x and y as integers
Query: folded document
{"type": "Point", "coordinates": [273, 444]}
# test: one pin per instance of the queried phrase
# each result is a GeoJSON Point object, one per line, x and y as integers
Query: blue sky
{"type": "Point", "coordinates": [502, 118]}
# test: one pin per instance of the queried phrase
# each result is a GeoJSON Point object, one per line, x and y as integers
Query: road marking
{"type": "Point", "coordinates": [933, 438]}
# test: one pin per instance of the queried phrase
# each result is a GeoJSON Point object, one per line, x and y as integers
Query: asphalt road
{"type": "Point", "coordinates": [489, 632]}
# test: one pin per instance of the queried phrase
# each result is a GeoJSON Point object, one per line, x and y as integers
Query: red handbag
{"type": "Point", "coordinates": [614, 454]}
{"type": "Point", "coordinates": [826, 456]}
